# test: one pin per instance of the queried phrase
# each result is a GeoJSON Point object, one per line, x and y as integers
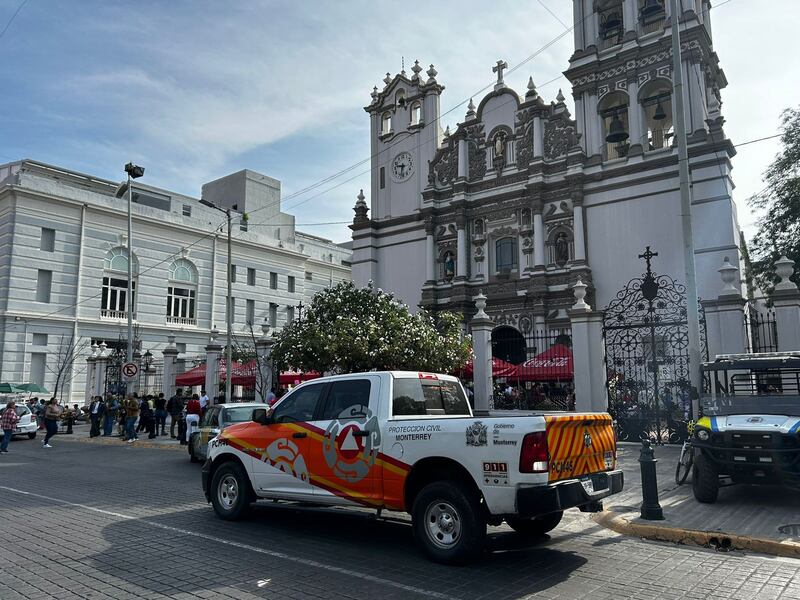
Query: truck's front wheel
{"type": "Point", "coordinates": [537, 526]}
{"type": "Point", "coordinates": [448, 522]}
{"type": "Point", "coordinates": [705, 480]}
{"type": "Point", "coordinates": [231, 493]}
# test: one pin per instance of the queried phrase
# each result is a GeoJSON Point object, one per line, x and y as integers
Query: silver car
{"type": "Point", "coordinates": [215, 420]}
{"type": "Point", "coordinates": [27, 424]}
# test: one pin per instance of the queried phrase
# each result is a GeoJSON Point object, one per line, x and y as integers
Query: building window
{"type": "Point", "coordinates": [48, 241]}
{"type": "Point", "coordinates": [383, 177]}
{"type": "Point", "coordinates": [187, 210]}
{"type": "Point", "coordinates": [386, 123]}
{"type": "Point", "coordinates": [250, 311]}
{"type": "Point", "coordinates": [613, 111]}
{"type": "Point", "coordinates": [251, 276]}
{"type": "Point", "coordinates": [181, 305]}
{"type": "Point", "coordinates": [113, 304]}
{"type": "Point", "coordinates": [289, 314]}
{"type": "Point", "coordinates": [39, 339]}
{"type": "Point", "coordinates": [416, 113]}
{"type": "Point", "coordinates": [232, 273]}
{"type": "Point", "coordinates": [273, 281]}
{"type": "Point", "coordinates": [230, 309]}
{"type": "Point", "coordinates": [611, 24]}
{"type": "Point", "coordinates": [273, 315]}
{"type": "Point", "coordinates": [44, 283]}
{"type": "Point", "coordinates": [309, 276]}
{"type": "Point", "coordinates": [651, 16]}
{"type": "Point", "coordinates": [505, 254]}
{"type": "Point", "coordinates": [657, 107]}
{"type": "Point", "coordinates": [290, 284]}
{"type": "Point", "coordinates": [38, 362]}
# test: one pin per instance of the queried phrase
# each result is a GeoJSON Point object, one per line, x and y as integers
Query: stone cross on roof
{"type": "Point", "coordinates": [499, 68]}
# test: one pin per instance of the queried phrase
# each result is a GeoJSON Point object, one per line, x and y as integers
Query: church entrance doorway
{"type": "Point", "coordinates": [508, 344]}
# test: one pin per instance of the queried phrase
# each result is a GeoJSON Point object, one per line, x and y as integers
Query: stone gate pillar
{"type": "Point", "coordinates": [725, 331]}
{"type": "Point", "coordinates": [481, 326]}
{"type": "Point", "coordinates": [213, 352]}
{"type": "Point", "coordinates": [588, 354]}
{"type": "Point", "coordinates": [265, 376]}
{"type": "Point", "coordinates": [786, 299]}
{"type": "Point", "coordinates": [91, 362]}
{"type": "Point", "coordinates": [100, 367]}
{"type": "Point", "coordinates": [170, 353]}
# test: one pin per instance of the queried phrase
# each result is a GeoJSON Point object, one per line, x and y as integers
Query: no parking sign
{"type": "Point", "coordinates": [130, 370]}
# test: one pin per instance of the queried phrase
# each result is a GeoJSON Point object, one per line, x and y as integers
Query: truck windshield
{"type": "Point", "coordinates": [239, 414]}
{"type": "Point", "coordinates": [428, 397]}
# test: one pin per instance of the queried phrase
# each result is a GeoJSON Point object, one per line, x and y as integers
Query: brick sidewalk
{"type": "Point", "coordinates": [748, 516]}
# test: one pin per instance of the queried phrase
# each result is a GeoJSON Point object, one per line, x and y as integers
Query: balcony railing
{"type": "Point", "coordinates": [114, 315]}
{"type": "Point", "coordinates": [659, 138]}
{"type": "Point", "coordinates": [651, 25]}
{"type": "Point", "coordinates": [181, 321]}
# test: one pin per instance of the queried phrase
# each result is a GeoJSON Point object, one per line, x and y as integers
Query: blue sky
{"type": "Point", "coordinates": [196, 90]}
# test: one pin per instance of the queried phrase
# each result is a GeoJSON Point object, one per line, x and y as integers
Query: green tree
{"type": "Point", "coordinates": [779, 206]}
{"type": "Point", "coordinates": [348, 329]}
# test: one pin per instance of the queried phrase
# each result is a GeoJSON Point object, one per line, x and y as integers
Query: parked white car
{"type": "Point", "coordinates": [27, 424]}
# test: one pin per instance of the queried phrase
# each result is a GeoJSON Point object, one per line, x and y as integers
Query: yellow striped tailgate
{"type": "Point", "coordinates": [578, 445]}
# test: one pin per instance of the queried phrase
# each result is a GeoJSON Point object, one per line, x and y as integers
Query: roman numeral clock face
{"type": "Point", "coordinates": [402, 167]}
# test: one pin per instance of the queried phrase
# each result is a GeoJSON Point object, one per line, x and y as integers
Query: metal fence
{"type": "Point", "coordinates": [761, 330]}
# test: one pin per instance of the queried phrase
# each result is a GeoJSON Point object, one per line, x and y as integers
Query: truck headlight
{"type": "Point", "coordinates": [703, 435]}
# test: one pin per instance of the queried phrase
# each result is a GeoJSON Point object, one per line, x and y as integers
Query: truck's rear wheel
{"type": "Point", "coordinates": [537, 526]}
{"type": "Point", "coordinates": [705, 480]}
{"type": "Point", "coordinates": [448, 522]}
{"type": "Point", "coordinates": [231, 493]}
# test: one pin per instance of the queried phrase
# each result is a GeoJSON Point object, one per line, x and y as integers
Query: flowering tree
{"type": "Point", "coordinates": [347, 329]}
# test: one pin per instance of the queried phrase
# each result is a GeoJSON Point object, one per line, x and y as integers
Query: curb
{"type": "Point", "coordinates": [707, 539]}
{"type": "Point", "coordinates": [117, 441]}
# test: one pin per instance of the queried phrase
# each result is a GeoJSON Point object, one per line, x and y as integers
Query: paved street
{"type": "Point", "coordinates": [98, 521]}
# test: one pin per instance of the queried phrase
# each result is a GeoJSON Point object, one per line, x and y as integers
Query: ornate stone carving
{"type": "Point", "coordinates": [476, 151]}
{"type": "Point", "coordinates": [524, 135]}
{"type": "Point", "coordinates": [559, 137]}
{"type": "Point", "coordinates": [443, 169]}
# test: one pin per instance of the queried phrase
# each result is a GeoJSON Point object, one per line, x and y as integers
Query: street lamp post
{"type": "Point", "coordinates": [228, 307]}
{"type": "Point", "coordinates": [134, 172]}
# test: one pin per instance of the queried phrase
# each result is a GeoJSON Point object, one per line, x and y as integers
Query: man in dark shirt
{"type": "Point", "coordinates": [161, 414]}
{"type": "Point", "coordinates": [175, 410]}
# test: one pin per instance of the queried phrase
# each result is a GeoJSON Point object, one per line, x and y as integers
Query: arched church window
{"type": "Point", "coordinates": [386, 123]}
{"type": "Point", "coordinates": [651, 16]}
{"type": "Point", "coordinates": [610, 21]}
{"type": "Point", "coordinates": [416, 113]}
{"type": "Point", "coordinates": [613, 110]}
{"type": "Point", "coordinates": [400, 99]}
{"type": "Point", "coordinates": [505, 254]}
{"type": "Point", "coordinates": [657, 106]}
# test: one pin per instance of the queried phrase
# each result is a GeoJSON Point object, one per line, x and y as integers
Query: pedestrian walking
{"type": "Point", "coordinates": [147, 417]}
{"type": "Point", "coordinates": [52, 413]}
{"type": "Point", "coordinates": [175, 409]}
{"type": "Point", "coordinates": [8, 423]}
{"type": "Point", "coordinates": [112, 406]}
{"type": "Point", "coordinates": [97, 410]}
{"type": "Point", "coordinates": [193, 412]}
{"type": "Point", "coordinates": [161, 414]}
{"type": "Point", "coordinates": [203, 401]}
{"type": "Point", "coordinates": [131, 415]}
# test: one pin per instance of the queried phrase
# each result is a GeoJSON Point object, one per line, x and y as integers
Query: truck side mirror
{"type": "Point", "coordinates": [262, 416]}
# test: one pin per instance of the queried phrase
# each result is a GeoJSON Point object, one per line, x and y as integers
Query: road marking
{"type": "Point", "coordinates": [280, 555]}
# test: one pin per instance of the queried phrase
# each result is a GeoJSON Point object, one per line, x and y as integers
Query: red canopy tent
{"type": "Point", "coordinates": [192, 377]}
{"type": "Point", "coordinates": [243, 374]}
{"type": "Point", "coordinates": [295, 377]}
{"type": "Point", "coordinates": [555, 363]}
{"type": "Point", "coordinates": [500, 368]}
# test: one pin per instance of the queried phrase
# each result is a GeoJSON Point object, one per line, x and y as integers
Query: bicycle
{"type": "Point", "coordinates": [686, 459]}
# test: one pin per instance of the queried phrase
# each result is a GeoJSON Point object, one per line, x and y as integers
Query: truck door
{"type": "Point", "coordinates": [283, 445]}
{"type": "Point", "coordinates": [343, 464]}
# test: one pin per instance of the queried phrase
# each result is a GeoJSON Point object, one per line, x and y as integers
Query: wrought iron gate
{"type": "Point", "coordinates": [647, 357]}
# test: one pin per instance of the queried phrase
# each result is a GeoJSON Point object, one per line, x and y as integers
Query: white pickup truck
{"type": "Point", "coordinates": [408, 441]}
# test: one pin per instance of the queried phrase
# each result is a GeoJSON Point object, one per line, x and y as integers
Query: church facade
{"type": "Point", "coordinates": [522, 198]}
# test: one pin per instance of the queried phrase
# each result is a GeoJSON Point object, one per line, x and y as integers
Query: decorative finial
{"type": "Point", "coordinates": [402, 65]}
{"type": "Point", "coordinates": [103, 353]}
{"type": "Point", "coordinates": [416, 69]}
{"type": "Point", "coordinates": [212, 335]}
{"type": "Point", "coordinates": [360, 208]}
{"type": "Point", "coordinates": [94, 351]}
{"type": "Point", "coordinates": [499, 68]}
{"type": "Point", "coordinates": [784, 268]}
{"type": "Point", "coordinates": [265, 329]}
{"type": "Point", "coordinates": [447, 132]}
{"type": "Point", "coordinates": [532, 93]}
{"type": "Point", "coordinates": [579, 289]}
{"type": "Point", "coordinates": [470, 109]}
{"type": "Point", "coordinates": [728, 274]}
{"type": "Point", "coordinates": [432, 73]}
{"type": "Point", "coordinates": [361, 198]}
{"type": "Point", "coordinates": [480, 304]}
{"type": "Point", "coordinates": [560, 97]}
{"type": "Point", "coordinates": [374, 93]}
{"type": "Point", "coordinates": [388, 79]}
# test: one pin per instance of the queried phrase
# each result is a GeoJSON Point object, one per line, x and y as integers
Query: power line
{"type": "Point", "coordinates": [554, 15]}
{"type": "Point", "coordinates": [14, 16]}
{"type": "Point", "coordinates": [769, 137]}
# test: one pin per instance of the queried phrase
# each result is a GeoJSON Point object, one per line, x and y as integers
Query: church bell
{"type": "Point", "coordinates": [616, 132]}
{"type": "Point", "coordinates": [659, 114]}
{"type": "Point", "coordinates": [651, 8]}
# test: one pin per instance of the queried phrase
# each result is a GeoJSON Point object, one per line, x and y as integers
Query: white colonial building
{"type": "Point", "coordinates": [522, 198]}
{"type": "Point", "coordinates": [64, 263]}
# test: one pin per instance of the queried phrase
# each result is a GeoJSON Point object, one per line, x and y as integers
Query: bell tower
{"type": "Point", "coordinates": [405, 134]}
